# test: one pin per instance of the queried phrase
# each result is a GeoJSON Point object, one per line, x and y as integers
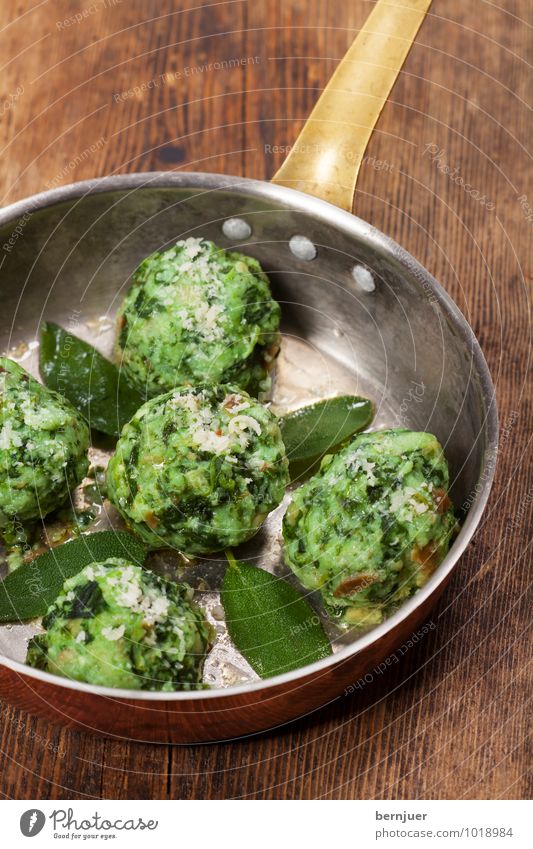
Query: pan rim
{"type": "Point", "coordinates": [367, 232]}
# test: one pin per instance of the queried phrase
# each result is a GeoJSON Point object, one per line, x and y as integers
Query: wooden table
{"type": "Point", "coordinates": [217, 88]}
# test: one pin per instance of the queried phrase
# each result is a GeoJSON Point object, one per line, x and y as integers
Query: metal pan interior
{"type": "Point", "coordinates": [359, 316]}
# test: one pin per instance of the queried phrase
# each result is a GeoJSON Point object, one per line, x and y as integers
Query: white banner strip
{"type": "Point", "coordinates": [256, 824]}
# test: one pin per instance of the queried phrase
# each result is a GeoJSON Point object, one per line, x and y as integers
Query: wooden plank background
{"type": "Point", "coordinates": [452, 719]}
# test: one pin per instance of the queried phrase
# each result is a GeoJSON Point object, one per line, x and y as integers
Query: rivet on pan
{"type": "Point", "coordinates": [302, 248]}
{"type": "Point", "coordinates": [363, 278]}
{"type": "Point", "coordinates": [236, 229]}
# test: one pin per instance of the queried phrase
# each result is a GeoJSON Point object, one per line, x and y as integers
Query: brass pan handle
{"type": "Point", "coordinates": [327, 155]}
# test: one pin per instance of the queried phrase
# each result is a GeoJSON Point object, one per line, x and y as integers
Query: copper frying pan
{"type": "Point", "coordinates": [360, 314]}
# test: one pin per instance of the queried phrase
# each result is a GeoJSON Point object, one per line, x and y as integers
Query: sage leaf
{"type": "Point", "coordinates": [91, 383]}
{"type": "Point", "coordinates": [29, 591]}
{"type": "Point", "coordinates": [270, 623]}
{"type": "Point", "coordinates": [315, 430]}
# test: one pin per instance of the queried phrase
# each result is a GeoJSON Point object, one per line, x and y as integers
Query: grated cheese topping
{"type": "Point", "coordinates": [209, 431]}
{"type": "Point", "coordinates": [198, 286]}
{"type": "Point", "coordinates": [360, 463]}
{"type": "Point", "coordinates": [153, 606]}
{"type": "Point", "coordinates": [9, 438]}
{"type": "Point", "coordinates": [113, 634]}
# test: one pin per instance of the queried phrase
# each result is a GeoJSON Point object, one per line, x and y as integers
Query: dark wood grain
{"type": "Point", "coordinates": [452, 718]}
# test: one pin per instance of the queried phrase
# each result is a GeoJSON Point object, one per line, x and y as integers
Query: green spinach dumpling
{"type": "Point", "coordinates": [372, 525]}
{"type": "Point", "coordinates": [43, 446]}
{"type": "Point", "coordinates": [198, 469]}
{"type": "Point", "coordinates": [197, 313]}
{"type": "Point", "coordinates": [117, 625]}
